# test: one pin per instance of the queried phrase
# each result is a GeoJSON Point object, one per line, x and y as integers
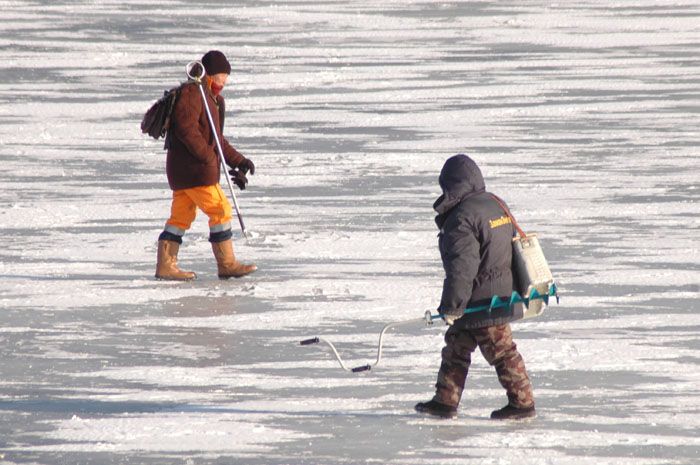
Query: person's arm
{"type": "Point", "coordinates": [233, 157]}
{"type": "Point", "coordinates": [459, 248]}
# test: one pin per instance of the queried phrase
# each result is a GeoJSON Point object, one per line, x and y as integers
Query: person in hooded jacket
{"type": "Point", "coordinates": [475, 243]}
{"type": "Point", "coordinates": [193, 170]}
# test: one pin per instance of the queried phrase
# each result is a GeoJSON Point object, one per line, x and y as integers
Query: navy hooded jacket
{"type": "Point", "coordinates": [475, 245]}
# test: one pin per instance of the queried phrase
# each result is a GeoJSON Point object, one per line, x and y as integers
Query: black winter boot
{"type": "Point", "coordinates": [437, 409]}
{"type": "Point", "coordinates": [513, 413]}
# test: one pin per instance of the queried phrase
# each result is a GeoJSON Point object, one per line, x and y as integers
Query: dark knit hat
{"type": "Point", "coordinates": [215, 62]}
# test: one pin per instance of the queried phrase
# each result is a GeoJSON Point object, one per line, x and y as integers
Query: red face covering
{"type": "Point", "coordinates": [216, 89]}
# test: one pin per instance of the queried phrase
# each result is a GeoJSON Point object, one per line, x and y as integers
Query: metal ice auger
{"type": "Point", "coordinates": [191, 66]}
{"type": "Point", "coordinates": [429, 318]}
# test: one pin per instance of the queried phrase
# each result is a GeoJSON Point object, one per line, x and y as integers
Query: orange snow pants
{"type": "Point", "coordinates": [210, 199]}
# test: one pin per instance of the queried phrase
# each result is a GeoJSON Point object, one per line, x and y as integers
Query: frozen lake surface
{"type": "Point", "coordinates": [583, 116]}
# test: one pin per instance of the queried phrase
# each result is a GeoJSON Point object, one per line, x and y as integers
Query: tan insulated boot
{"type": "Point", "coordinates": [226, 261]}
{"type": "Point", "coordinates": [167, 263]}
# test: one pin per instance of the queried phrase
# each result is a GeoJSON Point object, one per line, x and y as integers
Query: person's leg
{"type": "Point", "coordinates": [183, 211]}
{"type": "Point", "coordinates": [456, 359]}
{"type": "Point", "coordinates": [182, 214]}
{"type": "Point", "coordinates": [213, 202]}
{"type": "Point", "coordinates": [499, 350]}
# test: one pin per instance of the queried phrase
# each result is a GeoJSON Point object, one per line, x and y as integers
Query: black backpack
{"type": "Point", "coordinates": [156, 121]}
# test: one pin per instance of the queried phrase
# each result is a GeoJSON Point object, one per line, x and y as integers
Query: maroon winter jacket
{"type": "Point", "coordinates": [192, 156]}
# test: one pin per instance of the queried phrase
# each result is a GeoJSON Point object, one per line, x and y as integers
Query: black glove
{"type": "Point", "coordinates": [246, 165]}
{"type": "Point", "coordinates": [238, 178]}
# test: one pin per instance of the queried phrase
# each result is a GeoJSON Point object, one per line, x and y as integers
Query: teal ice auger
{"type": "Point", "coordinates": [515, 298]}
{"type": "Point", "coordinates": [429, 318]}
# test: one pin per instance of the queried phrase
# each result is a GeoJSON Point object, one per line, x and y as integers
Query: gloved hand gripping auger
{"type": "Point", "coordinates": [429, 318]}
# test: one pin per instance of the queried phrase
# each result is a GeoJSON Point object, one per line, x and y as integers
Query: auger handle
{"type": "Point", "coordinates": [190, 66]}
{"type": "Point", "coordinates": [308, 342]}
{"type": "Point", "coordinates": [361, 368]}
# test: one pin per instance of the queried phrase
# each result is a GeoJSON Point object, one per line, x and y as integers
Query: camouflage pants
{"type": "Point", "coordinates": [499, 350]}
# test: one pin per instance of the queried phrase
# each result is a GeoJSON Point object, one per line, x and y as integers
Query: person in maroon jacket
{"type": "Point", "coordinates": [193, 170]}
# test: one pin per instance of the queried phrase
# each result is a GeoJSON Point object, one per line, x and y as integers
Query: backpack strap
{"type": "Point", "coordinates": [510, 215]}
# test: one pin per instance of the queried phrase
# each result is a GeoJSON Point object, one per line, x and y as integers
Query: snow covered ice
{"type": "Point", "coordinates": [583, 116]}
